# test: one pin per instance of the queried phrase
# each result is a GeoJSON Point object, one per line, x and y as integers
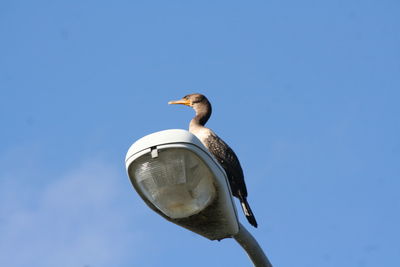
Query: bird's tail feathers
{"type": "Point", "coordinates": [248, 212]}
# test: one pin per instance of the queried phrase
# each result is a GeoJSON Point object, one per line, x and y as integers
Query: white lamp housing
{"type": "Point", "coordinates": [179, 179]}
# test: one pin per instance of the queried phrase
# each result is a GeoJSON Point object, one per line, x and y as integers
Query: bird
{"type": "Point", "coordinates": [218, 148]}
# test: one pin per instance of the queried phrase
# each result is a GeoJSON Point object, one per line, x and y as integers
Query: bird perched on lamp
{"type": "Point", "coordinates": [221, 151]}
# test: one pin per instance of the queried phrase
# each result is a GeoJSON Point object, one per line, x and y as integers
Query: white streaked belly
{"type": "Point", "coordinates": [201, 134]}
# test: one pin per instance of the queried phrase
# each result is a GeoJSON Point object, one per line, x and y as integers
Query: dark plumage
{"type": "Point", "coordinates": [221, 151]}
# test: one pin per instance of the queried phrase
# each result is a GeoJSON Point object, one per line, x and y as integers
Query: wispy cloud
{"type": "Point", "coordinates": [76, 219]}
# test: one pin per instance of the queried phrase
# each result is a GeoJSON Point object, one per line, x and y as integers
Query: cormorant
{"type": "Point", "coordinates": [221, 151]}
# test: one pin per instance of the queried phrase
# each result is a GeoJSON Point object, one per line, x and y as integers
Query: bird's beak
{"type": "Point", "coordinates": [185, 102]}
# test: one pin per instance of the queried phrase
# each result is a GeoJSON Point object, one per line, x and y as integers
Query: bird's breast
{"type": "Point", "coordinates": [202, 134]}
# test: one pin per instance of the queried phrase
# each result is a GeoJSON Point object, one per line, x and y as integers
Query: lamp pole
{"type": "Point", "coordinates": [251, 246]}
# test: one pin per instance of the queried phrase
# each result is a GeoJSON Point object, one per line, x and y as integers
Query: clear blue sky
{"type": "Point", "coordinates": [306, 92]}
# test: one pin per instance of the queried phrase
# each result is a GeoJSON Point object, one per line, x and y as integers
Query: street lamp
{"type": "Point", "coordinates": [179, 179]}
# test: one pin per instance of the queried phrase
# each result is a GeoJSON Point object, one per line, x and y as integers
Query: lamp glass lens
{"type": "Point", "coordinates": [177, 182]}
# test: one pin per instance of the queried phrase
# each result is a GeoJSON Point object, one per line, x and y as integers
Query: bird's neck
{"type": "Point", "coordinates": [201, 118]}
{"type": "Point", "coordinates": [197, 122]}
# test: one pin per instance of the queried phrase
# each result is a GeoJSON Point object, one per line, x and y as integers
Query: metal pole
{"type": "Point", "coordinates": [253, 249]}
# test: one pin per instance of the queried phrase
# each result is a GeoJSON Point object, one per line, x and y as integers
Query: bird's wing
{"type": "Point", "coordinates": [229, 161]}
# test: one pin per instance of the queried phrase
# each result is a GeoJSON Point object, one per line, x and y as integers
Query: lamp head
{"type": "Point", "coordinates": [176, 176]}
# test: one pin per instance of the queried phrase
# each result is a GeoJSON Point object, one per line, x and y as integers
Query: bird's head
{"type": "Point", "coordinates": [199, 103]}
{"type": "Point", "coordinates": [191, 100]}
{"type": "Point", "coordinates": [196, 101]}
